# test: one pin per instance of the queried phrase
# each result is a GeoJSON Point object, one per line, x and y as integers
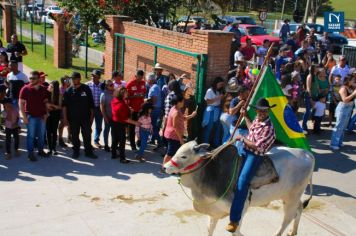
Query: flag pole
{"type": "Point", "coordinates": [268, 55]}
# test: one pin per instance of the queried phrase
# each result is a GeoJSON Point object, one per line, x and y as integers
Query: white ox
{"type": "Point", "coordinates": [209, 179]}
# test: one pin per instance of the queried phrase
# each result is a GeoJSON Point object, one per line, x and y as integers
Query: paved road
{"type": "Point", "coordinates": [61, 196]}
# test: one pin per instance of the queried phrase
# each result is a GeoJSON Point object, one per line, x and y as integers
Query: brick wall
{"type": "Point", "coordinates": [215, 44]}
{"type": "Point", "coordinates": [8, 21]}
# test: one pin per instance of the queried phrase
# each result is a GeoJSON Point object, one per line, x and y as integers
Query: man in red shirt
{"type": "Point", "coordinates": [248, 51]}
{"type": "Point", "coordinates": [33, 107]}
{"type": "Point", "coordinates": [136, 89]}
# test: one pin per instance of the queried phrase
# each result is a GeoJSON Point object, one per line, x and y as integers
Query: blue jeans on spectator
{"type": "Point", "coordinates": [107, 127]}
{"type": "Point", "coordinates": [352, 123]}
{"type": "Point", "coordinates": [36, 129]}
{"type": "Point", "coordinates": [342, 114]}
{"type": "Point", "coordinates": [225, 120]}
{"type": "Point", "coordinates": [144, 134]}
{"type": "Point", "coordinates": [98, 118]}
{"type": "Point", "coordinates": [249, 166]}
{"type": "Point", "coordinates": [156, 119]}
{"type": "Point", "coordinates": [212, 124]}
{"type": "Point", "coordinates": [307, 113]}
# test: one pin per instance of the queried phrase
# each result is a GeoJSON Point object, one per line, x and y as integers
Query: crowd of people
{"type": "Point", "coordinates": [158, 108]}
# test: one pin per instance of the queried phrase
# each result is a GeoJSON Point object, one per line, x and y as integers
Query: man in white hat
{"type": "Point", "coordinates": [161, 79]}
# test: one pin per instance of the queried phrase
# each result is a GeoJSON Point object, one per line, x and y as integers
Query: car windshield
{"type": "Point", "coordinates": [256, 31]}
{"type": "Point", "coordinates": [242, 31]}
{"type": "Point", "coordinates": [293, 28]}
{"type": "Point", "coordinates": [56, 8]}
{"type": "Point", "coordinates": [319, 29]}
{"type": "Point", "coordinates": [246, 20]}
{"type": "Point", "coordinates": [199, 19]}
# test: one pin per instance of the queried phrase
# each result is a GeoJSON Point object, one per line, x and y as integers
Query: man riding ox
{"type": "Point", "coordinates": [259, 140]}
{"type": "Point", "coordinates": [227, 181]}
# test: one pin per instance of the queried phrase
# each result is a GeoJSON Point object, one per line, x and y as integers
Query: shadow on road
{"type": "Point", "coordinates": [325, 191]}
{"type": "Point", "coordinates": [339, 161]}
{"type": "Point", "coordinates": [19, 168]}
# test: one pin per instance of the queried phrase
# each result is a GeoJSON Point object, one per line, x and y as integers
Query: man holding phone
{"type": "Point", "coordinates": [17, 50]}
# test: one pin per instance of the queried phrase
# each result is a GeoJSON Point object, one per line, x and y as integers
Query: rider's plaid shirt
{"type": "Point", "coordinates": [263, 135]}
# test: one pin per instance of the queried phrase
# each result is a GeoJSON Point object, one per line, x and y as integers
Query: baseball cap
{"type": "Point", "coordinates": [75, 75]}
{"type": "Point", "coordinates": [42, 74]}
{"type": "Point", "coordinates": [96, 72]}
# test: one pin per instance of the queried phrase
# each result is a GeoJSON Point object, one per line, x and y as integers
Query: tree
{"type": "Point", "coordinates": [316, 6]}
{"type": "Point", "coordinates": [90, 11]}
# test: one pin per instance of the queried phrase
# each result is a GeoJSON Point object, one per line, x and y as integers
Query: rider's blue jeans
{"type": "Point", "coordinates": [250, 164]}
{"type": "Point", "coordinates": [307, 112]}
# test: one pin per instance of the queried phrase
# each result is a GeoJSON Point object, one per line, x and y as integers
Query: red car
{"type": "Point", "coordinates": [257, 34]}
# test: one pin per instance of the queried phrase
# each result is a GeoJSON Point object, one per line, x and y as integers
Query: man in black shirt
{"type": "Point", "coordinates": [17, 50]}
{"type": "Point", "coordinates": [78, 105]}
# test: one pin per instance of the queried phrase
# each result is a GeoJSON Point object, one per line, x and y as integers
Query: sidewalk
{"type": "Point", "coordinates": [94, 56]}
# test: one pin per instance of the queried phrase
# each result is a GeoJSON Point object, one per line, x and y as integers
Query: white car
{"type": "Point", "coordinates": [54, 9]}
{"type": "Point", "coordinates": [47, 19]}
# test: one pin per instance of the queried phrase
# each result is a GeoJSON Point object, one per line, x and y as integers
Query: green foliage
{"type": "Point", "coordinates": [89, 10]}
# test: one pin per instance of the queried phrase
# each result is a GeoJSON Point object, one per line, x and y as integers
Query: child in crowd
{"type": "Point", "coordinates": [143, 132]}
{"type": "Point", "coordinates": [334, 96]}
{"type": "Point", "coordinates": [286, 86]}
{"type": "Point", "coordinates": [11, 116]}
{"type": "Point", "coordinates": [296, 91]}
{"type": "Point", "coordinates": [319, 110]}
{"type": "Point", "coordinates": [226, 118]}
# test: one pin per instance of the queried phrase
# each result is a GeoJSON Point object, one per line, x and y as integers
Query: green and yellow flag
{"type": "Point", "coordinates": [288, 130]}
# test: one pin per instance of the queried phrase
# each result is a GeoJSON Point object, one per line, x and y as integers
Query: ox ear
{"type": "Point", "coordinates": [201, 149]}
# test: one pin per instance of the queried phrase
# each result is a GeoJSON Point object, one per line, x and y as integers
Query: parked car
{"type": "Point", "coordinates": [257, 34]}
{"type": "Point", "coordinates": [337, 40]}
{"type": "Point", "coordinates": [164, 24]}
{"type": "Point", "coordinates": [246, 20]}
{"type": "Point", "coordinates": [48, 19]}
{"type": "Point", "coordinates": [54, 9]}
{"type": "Point", "coordinates": [192, 19]}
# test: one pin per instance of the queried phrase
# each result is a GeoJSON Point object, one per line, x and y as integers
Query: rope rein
{"type": "Point", "coordinates": [226, 190]}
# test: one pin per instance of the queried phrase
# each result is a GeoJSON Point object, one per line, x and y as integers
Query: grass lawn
{"type": "Point", "coordinates": [39, 28]}
{"type": "Point", "coordinates": [36, 61]}
{"type": "Point", "coordinates": [347, 6]}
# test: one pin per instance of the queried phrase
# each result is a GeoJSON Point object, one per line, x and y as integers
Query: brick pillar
{"type": "Point", "coordinates": [217, 45]}
{"type": "Point", "coordinates": [219, 51]}
{"type": "Point", "coordinates": [8, 21]}
{"type": "Point", "coordinates": [62, 44]}
{"type": "Point", "coordinates": [116, 24]}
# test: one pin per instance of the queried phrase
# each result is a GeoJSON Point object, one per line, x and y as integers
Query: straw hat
{"type": "Point", "coordinates": [158, 67]}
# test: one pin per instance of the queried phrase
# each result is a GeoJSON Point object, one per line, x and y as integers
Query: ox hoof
{"type": "Point", "coordinates": [292, 233]}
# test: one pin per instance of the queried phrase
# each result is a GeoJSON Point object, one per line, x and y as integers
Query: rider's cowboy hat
{"type": "Point", "coordinates": [262, 104]}
{"type": "Point", "coordinates": [158, 67]}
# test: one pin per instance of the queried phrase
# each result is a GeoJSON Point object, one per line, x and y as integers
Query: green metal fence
{"type": "Point", "coordinates": [201, 68]}
{"type": "Point", "coordinates": [43, 34]}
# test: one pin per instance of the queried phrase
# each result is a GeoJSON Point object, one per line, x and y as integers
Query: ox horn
{"type": "Point", "coordinates": [201, 147]}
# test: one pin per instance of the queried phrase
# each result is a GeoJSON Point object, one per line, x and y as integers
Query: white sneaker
{"type": "Point", "coordinates": [334, 147]}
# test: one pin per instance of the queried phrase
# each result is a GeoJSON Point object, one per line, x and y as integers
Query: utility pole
{"type": "Point", "coordinates": [306, 13]}
{"type": "Point", "coordinates": [284, 3]}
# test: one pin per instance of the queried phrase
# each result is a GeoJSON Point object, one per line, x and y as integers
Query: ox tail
{"type": "Point", "coordinates": [306, 202]}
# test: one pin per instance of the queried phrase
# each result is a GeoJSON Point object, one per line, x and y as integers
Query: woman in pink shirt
{"type": "Point", "coordinates": [174, 130]}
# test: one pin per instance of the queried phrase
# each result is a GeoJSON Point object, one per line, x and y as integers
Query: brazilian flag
{"type": "Point", "coordinates": [288, 130]}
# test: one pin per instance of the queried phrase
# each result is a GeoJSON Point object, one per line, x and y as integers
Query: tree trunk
{"type": "Point", "coordinates": [234, 5]}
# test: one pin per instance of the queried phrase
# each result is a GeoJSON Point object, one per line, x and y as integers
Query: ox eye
{"type": "Point", "coordinates": [183, 157]}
